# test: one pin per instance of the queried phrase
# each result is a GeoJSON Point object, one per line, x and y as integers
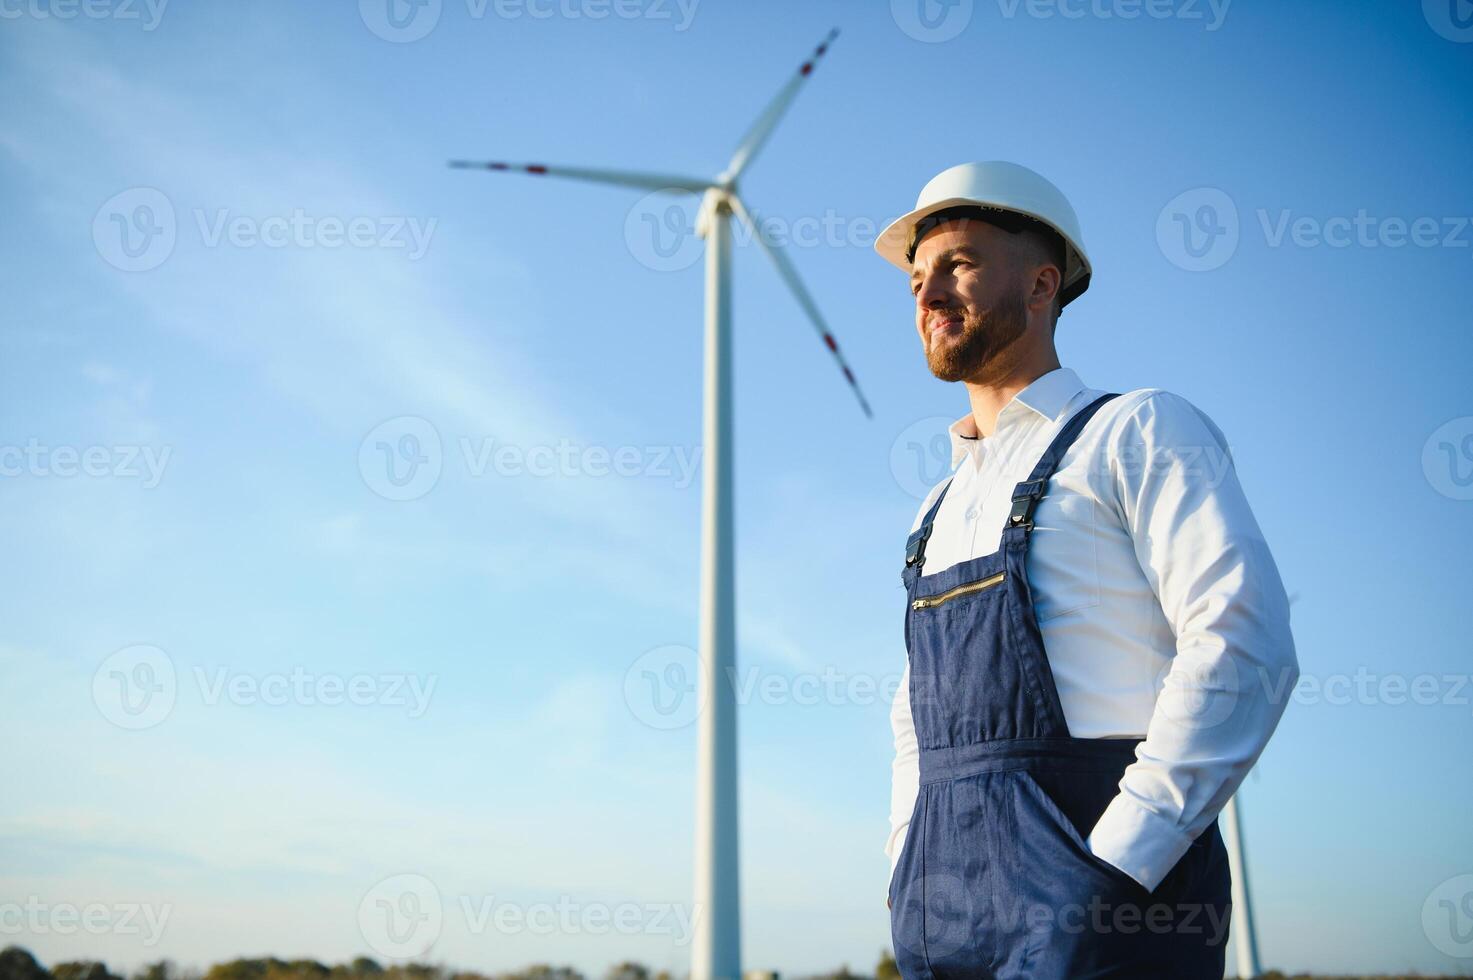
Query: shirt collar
{"type": "Point", "coordinates": [1048, 396]}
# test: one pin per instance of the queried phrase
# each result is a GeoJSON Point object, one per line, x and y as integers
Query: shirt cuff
{"type": "Point", "coordinates": [1141, 843]}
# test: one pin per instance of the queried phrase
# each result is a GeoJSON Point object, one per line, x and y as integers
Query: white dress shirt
{"type": "Point", "coordinates": [1161, 609]}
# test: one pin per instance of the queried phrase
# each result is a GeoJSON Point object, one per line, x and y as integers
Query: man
{"type": "Point", "coordinates": [1094, 626]}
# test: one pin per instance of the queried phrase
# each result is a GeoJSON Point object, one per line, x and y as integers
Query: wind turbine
{"type": "Point", "coordinates": [716, 944]}
{"type": "Point", "coordinates": [1244, 935]}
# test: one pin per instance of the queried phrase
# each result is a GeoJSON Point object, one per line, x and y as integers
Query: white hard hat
{"type": "Point", "coordinates": [998, 185]}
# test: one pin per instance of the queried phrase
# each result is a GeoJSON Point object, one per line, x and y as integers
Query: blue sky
{"type": "Point", "coordinates": [448, 686]}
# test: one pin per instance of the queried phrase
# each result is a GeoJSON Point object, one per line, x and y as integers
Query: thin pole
{"type": "Point", "coordinates": [1244, 936]}
{"type": "Point", "coordinates": [716, 945]}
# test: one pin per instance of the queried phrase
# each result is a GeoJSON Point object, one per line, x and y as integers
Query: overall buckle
{"type": "Point", "coordinates": [1025, 498]}
{"type": "Point", "coordinates": [915, 548]}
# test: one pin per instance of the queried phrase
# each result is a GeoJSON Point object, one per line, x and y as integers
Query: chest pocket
{"type": "Point", "coordinates": [1063, 556]}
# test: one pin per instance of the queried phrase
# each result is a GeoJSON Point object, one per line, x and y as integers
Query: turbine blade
{"type": "Point", "coordinates": [789, 275]}
{"type": "Point", "coordinates": [762, 128]}
{"type": "Point", "coordinates": [623, 178]}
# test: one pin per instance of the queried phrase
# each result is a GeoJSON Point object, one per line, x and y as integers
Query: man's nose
{"type": "Point", "coordinates": [933, 294]}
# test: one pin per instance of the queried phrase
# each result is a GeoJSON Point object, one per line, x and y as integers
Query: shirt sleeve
{"type": "Point", "coordinates": [1226, 686]}
{"type": "Point", "coordinates": [905, 769]}
{"type": "Point", "coordinates": [905, 773]}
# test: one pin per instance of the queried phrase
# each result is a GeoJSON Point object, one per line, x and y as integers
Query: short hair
{"type": "Point", "coordinates": [1050, 243]}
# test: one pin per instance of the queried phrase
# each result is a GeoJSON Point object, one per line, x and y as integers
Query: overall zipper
{"type": "Point", "coordinates": [930, 601]}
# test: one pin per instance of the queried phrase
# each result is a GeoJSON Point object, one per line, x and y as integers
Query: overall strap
{"type": "Point", "coordinates": [1027, 494]}
{"type": "Point", "coordinates": [915, 545]}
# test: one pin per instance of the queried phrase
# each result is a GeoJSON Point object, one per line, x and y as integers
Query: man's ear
{"type": "Point", "coordinates": [1045, 291]}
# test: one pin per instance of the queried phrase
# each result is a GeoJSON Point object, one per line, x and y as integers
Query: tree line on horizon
{"type": "Point", "coordinates": [17, 963]}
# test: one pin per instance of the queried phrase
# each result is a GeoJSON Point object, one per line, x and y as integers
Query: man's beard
{"type": "Point", "coordinates": [984, 336]}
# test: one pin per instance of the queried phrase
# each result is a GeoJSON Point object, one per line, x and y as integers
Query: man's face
{"type": "Point", "coordinates": [971, 292]}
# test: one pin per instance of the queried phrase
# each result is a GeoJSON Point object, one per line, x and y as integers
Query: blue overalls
{"type": "Point", "coordinates": [995, 879]}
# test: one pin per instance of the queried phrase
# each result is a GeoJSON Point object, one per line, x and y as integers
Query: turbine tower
{"type": "Point", "coordinates": [716, 945]}
{"type": "Point", "coordinates": [1244, 936]}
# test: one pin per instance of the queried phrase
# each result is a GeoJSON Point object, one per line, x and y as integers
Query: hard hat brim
{"type": "Point", "coordinates": [895, 239]}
